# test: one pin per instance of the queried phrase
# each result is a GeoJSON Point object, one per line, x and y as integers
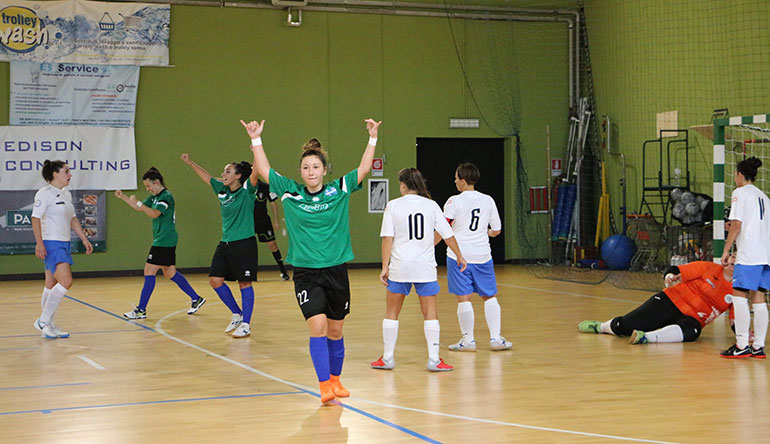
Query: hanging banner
{"type": "Point", "coordinates": [99, 158]}
{"type": "Point", "coordinates": [16, 235]}
{"type": "Point", "coordinates": [68, 94]}
{"type": "Point", "coordinates": [79, 31]}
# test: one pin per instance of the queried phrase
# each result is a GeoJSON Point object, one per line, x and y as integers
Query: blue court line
{"type": "Point", "coordinates": [44, 386]}
{"type": "Point", "coordinates": [109, 313]}
{"type": "Point", "coordinates": [129, 404]}
{"type": "Point", "coordinates": [75, 333]}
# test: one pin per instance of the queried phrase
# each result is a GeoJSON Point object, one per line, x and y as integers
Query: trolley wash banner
{"type": "Point", "coordinates": [68, 94]}
{"type": "Point", "coordinates": [99, 158]}
{"type": "Point", "coordinates": [16, 235]}
{"type": "Point", "coordinates": [79, 31]}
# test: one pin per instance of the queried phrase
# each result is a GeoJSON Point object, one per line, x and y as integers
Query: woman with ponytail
{"type": "Point", "coordinates": [235, 258]}
{"type": "Point", "coordinates": [319, 246]}
{"type": "Point", "coordinates": [408, 259]}
{"type": "Point", "coordinates": [750, 230]}
{"type": "Point", "coordinates": [53, 216]}
{"type": "Point", "coordinates": [159, 207]}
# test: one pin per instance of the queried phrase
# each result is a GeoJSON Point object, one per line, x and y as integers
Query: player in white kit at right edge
{"type": "Point", "coordinates": [474, 219]}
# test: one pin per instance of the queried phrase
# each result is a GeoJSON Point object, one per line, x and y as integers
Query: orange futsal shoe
{"type": "Point", "coordinates": [327, 391]}
{"type": "Point", "coordinates": [339, 390]}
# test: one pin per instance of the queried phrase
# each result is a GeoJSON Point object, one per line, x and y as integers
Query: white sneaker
{"type": "Point", "coordinates": [38, 325]}
{"type": "Point", "coordinates": [59, 333]}
{"type": "Point", "coordinates": [242, 331]}
{"type": "Point", "coordinates": [462, 346]}
{"type": "Point", "coordinates": [135, 314]}
{"type": "Point", "coordinates": [234, 323]}
{"type": "Point", "coordinates": [499, 344]}
{"type": "Point", "coordinates": [196, 305]}
{"type": "Point", "coordinates": [48, 331]}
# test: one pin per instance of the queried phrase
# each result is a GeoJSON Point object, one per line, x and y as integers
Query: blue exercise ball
{"type": "Point", "coordinates": [617, 252]}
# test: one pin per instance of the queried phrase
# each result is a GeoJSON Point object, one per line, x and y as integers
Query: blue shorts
{"type": "Point", "coordinates": [422, 288]}
{"type": "Point", "coordinates": [477, 278]}
{"type": "Point", "coordinates": [56, 252]}
{"type": "Point", "coordinates": [751, 277]}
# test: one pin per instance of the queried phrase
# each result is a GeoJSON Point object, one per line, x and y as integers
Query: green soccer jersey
{"type": "Point", "coordinates": [237, 210]}
{"type": "Point", "coordinates": [164, 226]}
{"type": "Point", "coordinates": [319, 229]}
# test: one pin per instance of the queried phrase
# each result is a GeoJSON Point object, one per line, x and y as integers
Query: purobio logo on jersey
{"type": "Point", "coordinates": [21, 30]}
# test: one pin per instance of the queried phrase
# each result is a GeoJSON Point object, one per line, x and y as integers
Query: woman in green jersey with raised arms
{"type": "Point", "coordinates": [319, 246]}
{"type": "Point", "coordinates": [235, 258]}
{"type": "Point", "coordinates": [159, 207]}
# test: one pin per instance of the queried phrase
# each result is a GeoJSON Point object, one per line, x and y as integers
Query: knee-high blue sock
{"type": "Point", "coordinates": [336, 355]}
{"type": "Point", "coordinates": [183, 285]}
{"type": "Point", "coordinates": [247, 300]}
{"type": "Point", "coordinates": [144, 297]}
{"type": "Point", "coordinates": [319, 353]}
{"type": "Point", "coordinates": [224, 293]}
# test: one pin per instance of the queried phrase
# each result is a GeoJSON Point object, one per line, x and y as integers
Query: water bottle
{"type": "Point", "coordinates": [677, 177]}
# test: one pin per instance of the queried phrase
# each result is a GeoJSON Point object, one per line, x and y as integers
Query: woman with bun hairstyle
{"type": "Point", "coordinates": [319, 246]}
{"type": "Point", "coordinates": [159, 207]}
{"type": "Point", "coordinates": [750, 230]}
{"type": "Point", "coordinates": [53, 216]}
{"type": "Point", "coordinates": [235, 258]}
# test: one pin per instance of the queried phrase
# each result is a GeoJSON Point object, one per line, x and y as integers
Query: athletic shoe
{"type": "Point", "coordinates": [499, 344]}
{"type": "Point", "coordinates": [59, 333]}
{"type": "Point", "coordinates": [758, 353]}
{"type": "Point", "coordinates": [462, 346]}
{"type": "Point", "coordinates": [242, 331]}
{"type": "Point", "coordinates": [38, 325]}
{"type": "Point", "coordinates": [235, 321]}
{"type": "Point", "coordinates": [285, 276]}
{"type": "Point", "coordinates": [327, 391]}
{"type": "Point", "coordinates": [196, 305]}
{"type": "Point", "coordinates": [589, 327]}
{"type": "Point", "coordinates": [339, 390]}
{"type": "Point", "coordinates": [439, 366]}
{"type": "Point", "coordinates": [734, 352]}
{"type": "Point", "coordinates": [384, 364]}
{"type": "Point", "coordinates": [135, 314]}
{"type": "Point", "coordinates": [48, 332]}
{"type": "Point", "coordinates": [637, 337]}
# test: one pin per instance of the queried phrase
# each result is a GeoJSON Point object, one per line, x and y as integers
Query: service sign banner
{"type": "Point", "coordinates": [73, 94]}
{"type": "Point", "coordinates": [85, 32]}
{"type": "Point", "coordinates": [99, 158]}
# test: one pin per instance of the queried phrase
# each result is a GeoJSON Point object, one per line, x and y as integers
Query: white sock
{"type": "Point", "coordinates": [760, 324]}
{"type": "Point", "coordinates": [432, 334]}
{"type": "Point", "coordinates": [492, 314]}
{"type": "Point", "coordinates": [54, 298]}
{"type": "Point", "coordinates": [389, 337]}
{"type": "Point", "coordinates": [465, 316]}
{"type": "Point", "coordinates": [44, 298]}
{"type": "Point", "coordinates": [742, 321]}
{"type": "Point", "coordinates": [669, 333]}
{"type": "Point", "coordinates": [605, 327]}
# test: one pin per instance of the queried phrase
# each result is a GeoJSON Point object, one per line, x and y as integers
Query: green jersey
{"type": "Point", "coordinates": [237, 210]}
{"type": "Point", "coordinates": [164, 226]}
{"type": "Point", "coordinates": [318, 222]}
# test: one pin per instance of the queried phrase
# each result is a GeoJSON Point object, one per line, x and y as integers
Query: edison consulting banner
{"type": "Point", "coordinates": [79, 31]}
{"type": "Point", "coordinates": [71, 94]}
{"type": "Point", "coordinates": [100, 158]}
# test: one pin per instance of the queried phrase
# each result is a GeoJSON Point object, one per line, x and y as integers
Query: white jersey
{"type": "Point", "coordinates": [411, 221]}
{"type": "Point", "coordinates": [55, 210]}
{"type": "Point", "coordinates": [752, 207]}
{"type": "Point", "coordinates": [472, 213]}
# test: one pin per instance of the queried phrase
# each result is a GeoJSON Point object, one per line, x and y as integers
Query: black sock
{"type": "Point", "coordinates": [277, 256]}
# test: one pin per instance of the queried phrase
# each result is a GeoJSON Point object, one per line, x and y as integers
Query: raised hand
{"type": "Point", "coordinates": [132, 198]}
{"type": "Point", "coordinates": [254, 128]}
{"type": "Point", "coordinates": [186, 158]}
{"type": "Point", "coordinates": [119, 194]}
{"type": "Point", "coordinates": [372, 126]}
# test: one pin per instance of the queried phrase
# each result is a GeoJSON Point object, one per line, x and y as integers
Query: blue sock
{"type": "Point", "coordinates": [319, 353]}
{"type": "Point", "coordinates": [144, 297]}
{"type": "Point", "coordinates": [247, 299]}
{"type": "Point", "coordinates": [336, 355]}
{"type": "Point", "coordinates": [227, 297]}
{"type": "Point", "coordinates": [183, 285]}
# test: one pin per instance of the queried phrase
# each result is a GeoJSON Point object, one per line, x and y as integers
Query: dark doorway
{"type": "Point", "coordinates": [437, 159]}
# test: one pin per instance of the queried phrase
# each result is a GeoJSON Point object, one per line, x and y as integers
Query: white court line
{"type": "Point", "coordinates": [159, 329]}
{"type": "Point", "coordinates": [580, 295]}
{"type": "Point", "coordinates": [91, 362]}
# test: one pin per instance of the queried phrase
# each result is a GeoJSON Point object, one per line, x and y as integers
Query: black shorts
{"type": "Point", "coordinates": [323, 290]}
{"type": "Point", "coordinates": [657, 312]}
{"type": "Point", "coordinates": [265, 232]}
{"type": "Point", "coordinates": [163, 256]}
{"type": "Point", "coordinates": [235, 261]}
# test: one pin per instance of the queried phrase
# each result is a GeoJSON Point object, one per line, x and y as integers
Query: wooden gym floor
{"type": "Point", "coordinates": [178, 378]}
